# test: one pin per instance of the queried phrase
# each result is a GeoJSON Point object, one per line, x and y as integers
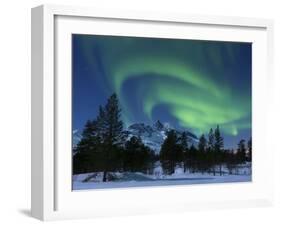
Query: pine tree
{"type": "Point", "coordinates": [193, 162]}
{"type": "Point", "coordinates": [211, 150]}
{"type": "Point", "coordinates": [184, 148]}
{"type": "Point", "coordinates": [110, 127]}
{"type": "Point", "coordinates": [241, 153]}
{"type": "Point", "coordinates": [218, 148]}
{"type": "Point", "coordinates": [137, 157]}
{"type": "Point", "coordinates": [250, 150]}
{"type": "Point", "coordinates": [230, 161]}
{"type": "Point", "coordinates": [211, 140]}
{"type": "Point", "coordinates": [88, 151]}
{"type": "Point", "coordinates": [170, 152]}
{"type": "Point", "coordinates": [202, 154]}
{"type": "Point", "coordinates": [184, 141]}
{"type": "Point", "coordinates": [218, 145]}
{"type": "Point", "coordinates": [202, 143]}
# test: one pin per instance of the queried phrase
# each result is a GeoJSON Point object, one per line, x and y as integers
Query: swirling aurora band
{"type": "Point", "coordinates": [197, 84]}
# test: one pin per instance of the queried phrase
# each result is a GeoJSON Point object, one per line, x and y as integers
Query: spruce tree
{"type": "Point", "coordinates": [184, 148]}
{"type": "Point", "coordinates": [250, 150]}
{"type": "Point", "coordinates": [202, 143]}
{"type": "Point", "coordinates": [241, 153]}
{"type": "Point", "coordinates": [202, 154]}
{"type": "Point", "coordinates": [211, 140]}
{"type": "Point", "coordinates": [110, 127]}
{"type": "Point", "coordinates": [184, 141]}
{"type": "Point", "coordinates": [218, 148]}
{"type": "Point", "coordinates": [88, 151]}
{"type": "Point", "coordinates": [193, 162]}
{"type": "Point", "coordinates": [137, 157]}
{"type": "Point", "coordinates": [211, 150]}
{"type": "Point", "coordinates": [170, 152]}
{"type": "Point", "coordinates": [218, 145]}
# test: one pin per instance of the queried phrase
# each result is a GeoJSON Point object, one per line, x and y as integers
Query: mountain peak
{"type": "Point", "coordinates": [158, 125]}
{"type": "Point", "coordinates": [140, 128]}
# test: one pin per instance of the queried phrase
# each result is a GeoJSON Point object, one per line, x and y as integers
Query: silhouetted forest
{"type": "Point", "coordinates": [105, 147]}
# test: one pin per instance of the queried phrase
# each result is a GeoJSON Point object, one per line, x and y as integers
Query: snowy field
{"type": "Point", "coordinates": [203, 179]}
{"type": "Point", "coordinates": [130, 179]}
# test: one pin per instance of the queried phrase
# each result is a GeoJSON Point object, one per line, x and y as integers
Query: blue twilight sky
{"type": "Point", "coordinates": [190, 84]}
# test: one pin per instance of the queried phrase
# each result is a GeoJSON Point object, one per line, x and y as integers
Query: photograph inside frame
{"type": "Point", "coordinates": [158, 111]}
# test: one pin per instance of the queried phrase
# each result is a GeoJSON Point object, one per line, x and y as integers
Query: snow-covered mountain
{"type": "Point", "coordinates": [154, 136]}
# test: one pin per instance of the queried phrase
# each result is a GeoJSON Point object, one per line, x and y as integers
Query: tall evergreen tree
{"type": "Point", "coordinates": [170, 152]}
{"type": "Point", "coordinates": [218, 148]}
{"type": "Point", "coordinates": [110, 126]}
{"type": "Point", "coordinates": [241, 153]}
{"type": "Point", "coordinates": [184, 141]}
{"type": "Point", "coordinates": [230, 161]}
{"type": "Point", "coordinates": [211, 150]}
{"type": "Point", "coordinates": [88, 151]}
{"type": "Point", "coordinates": [202, 154]}
{"type": "Point", "coordinates": [202, 145]}
{"type": "Point", "coordinates": [218, 145]}
{"type": "Point", "coordinates": [137, 157]}
{"type": "Point", "coordinates": [193, 162]}
{"type": "Point", "coordinates": [250, 150]}
{"type": "Point", "coordinates": [211, 140]}
{"type": "Point", "coordinates": [184, 147]}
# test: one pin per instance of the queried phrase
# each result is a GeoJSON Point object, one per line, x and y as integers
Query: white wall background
{"type": "Point", "coordinates": [15, 112]}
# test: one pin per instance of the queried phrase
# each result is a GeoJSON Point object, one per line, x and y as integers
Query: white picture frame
{"type": "Point", "coordinates": [52, 197]}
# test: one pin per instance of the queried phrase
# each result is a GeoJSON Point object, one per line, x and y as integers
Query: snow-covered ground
{"type": "Point", "coordinates": [129, 179]}
{"type": "Point", "coordinates": [191, 179]}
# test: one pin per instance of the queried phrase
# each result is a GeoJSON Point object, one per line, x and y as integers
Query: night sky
{"type": "Point", "coordinates": [190, 84]}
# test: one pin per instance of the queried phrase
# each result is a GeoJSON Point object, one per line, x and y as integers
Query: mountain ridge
{"type": "Point", "coordinates": [152, 136]}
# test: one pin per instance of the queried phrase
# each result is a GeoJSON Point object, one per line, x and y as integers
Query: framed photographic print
{"type": "Point", "coordinates": [137, 112]}
{"type": "Point", "coordinates": [157, 111]}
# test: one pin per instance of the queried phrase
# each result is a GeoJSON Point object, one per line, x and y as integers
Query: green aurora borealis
{"type": "Point", "coordinates": [194, 84]}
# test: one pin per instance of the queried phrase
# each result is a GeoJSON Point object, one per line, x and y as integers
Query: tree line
{"type": "Point", "coordinates": [105, 147]}
{"type": "Point", "coordinates": [209, 155]}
